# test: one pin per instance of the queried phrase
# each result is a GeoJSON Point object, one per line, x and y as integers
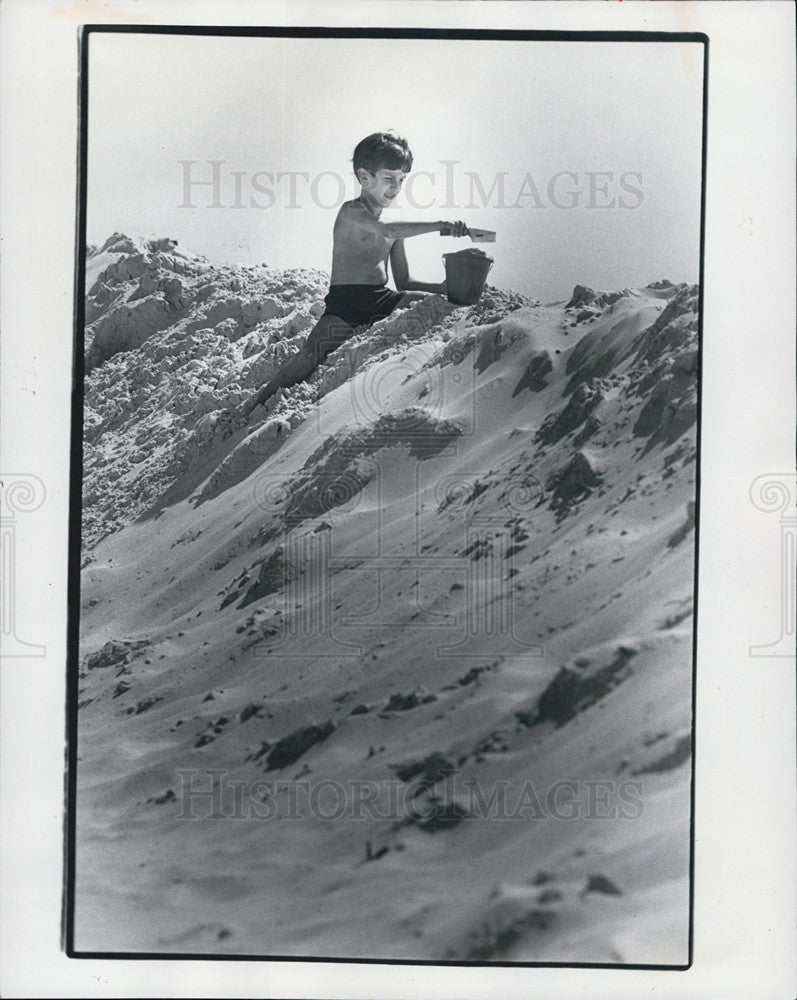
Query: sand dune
{"type": "Point", "coordinates": [401, 666]}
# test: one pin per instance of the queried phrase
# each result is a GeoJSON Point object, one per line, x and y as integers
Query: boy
{"type": "Point", "coordinates": [362, 245]}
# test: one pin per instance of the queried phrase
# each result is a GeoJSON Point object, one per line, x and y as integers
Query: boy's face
{"type": "Point", "coordinates": [383, 186]}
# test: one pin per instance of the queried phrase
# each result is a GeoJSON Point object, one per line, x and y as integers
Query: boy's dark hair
{"type": "Point", "coordinates": [382, 151]}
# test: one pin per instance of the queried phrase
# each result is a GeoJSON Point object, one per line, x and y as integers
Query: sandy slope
{"type": "Point", "coordinates": [430, 612]}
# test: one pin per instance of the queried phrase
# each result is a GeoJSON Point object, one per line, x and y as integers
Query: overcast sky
{"type": "Point", "coordinates": [585, 157]}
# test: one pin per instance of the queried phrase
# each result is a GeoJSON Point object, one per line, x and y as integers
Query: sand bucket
{"type": "Point", "coordinates": [466, 274]}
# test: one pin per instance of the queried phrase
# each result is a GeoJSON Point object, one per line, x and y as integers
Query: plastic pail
{"type": "Point", "coordinates": [466, 274]}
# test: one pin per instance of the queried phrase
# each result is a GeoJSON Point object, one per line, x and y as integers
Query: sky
{"type": "Point", "coordinates": [584, 157]}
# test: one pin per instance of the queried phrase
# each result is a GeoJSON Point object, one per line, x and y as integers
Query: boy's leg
{"type": "Point", "coordinates": [328, 333]}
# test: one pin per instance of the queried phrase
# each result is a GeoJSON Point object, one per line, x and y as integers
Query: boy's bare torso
{"type": "Point", "coordinates": [359, 257]}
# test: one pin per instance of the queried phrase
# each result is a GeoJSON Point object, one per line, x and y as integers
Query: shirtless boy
{"type": "Point", "coordinates": [362, 245]}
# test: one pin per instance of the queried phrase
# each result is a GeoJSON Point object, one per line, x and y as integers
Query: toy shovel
{"type": "Point", "coordinates": [476, 235]}
{"type": "Point", "coordinates": [481, 235]}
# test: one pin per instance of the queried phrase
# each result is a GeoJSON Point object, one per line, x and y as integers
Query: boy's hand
{"type": "Point", "coordinates": [453, 229]}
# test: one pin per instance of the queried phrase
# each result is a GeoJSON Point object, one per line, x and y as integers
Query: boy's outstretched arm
{"type": "Point", "coordinates": [358, 214]}
{"type": "Point", "coordinates": [401, 273]}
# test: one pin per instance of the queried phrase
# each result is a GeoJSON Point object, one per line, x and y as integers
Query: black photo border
{"type": "Point", "coordinates": [76, 457]}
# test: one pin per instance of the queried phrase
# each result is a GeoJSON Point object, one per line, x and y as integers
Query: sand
{"type": "Point", "coordinates": [400, 667]}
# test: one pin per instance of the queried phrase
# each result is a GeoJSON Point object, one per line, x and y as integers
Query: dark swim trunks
{"type": "Point", "coordinates": [361, 305]}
